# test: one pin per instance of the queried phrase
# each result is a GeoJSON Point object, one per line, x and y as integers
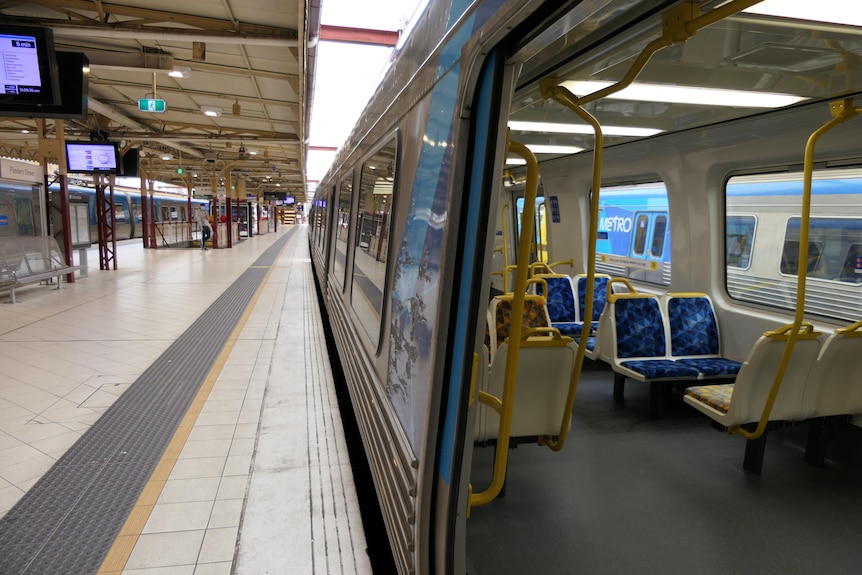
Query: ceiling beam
{"type": "Point", "coordinates": [359, 35]}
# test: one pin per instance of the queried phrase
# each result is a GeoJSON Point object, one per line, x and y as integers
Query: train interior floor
{"type": "Point", "coordinates": [630, 494]}
{"type": "Point", "coordinates": [189, 391]}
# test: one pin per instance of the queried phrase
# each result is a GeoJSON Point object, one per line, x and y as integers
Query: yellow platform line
{"type": "Point", "coordinates": [121, 550]}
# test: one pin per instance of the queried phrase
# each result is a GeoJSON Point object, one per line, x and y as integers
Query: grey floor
{"type": "Point", "coordinates": [629, 494]}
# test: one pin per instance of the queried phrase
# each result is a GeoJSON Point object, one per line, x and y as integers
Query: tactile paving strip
{"type": "Point", "coordinates": [67, 522]}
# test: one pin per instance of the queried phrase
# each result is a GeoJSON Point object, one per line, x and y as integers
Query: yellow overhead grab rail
{"type": "Point", "coordinates": [678, 25]}
{"type": "Point", "coordinates": [842, 110]}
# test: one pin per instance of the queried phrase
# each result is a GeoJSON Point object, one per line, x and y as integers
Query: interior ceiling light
{"type": "Point", "coordinates": [180, 72]}
{"type": "Point", "coordinates": [212, 111]}
{"type": "Point", "coordinates": [686, 95]}
{"type": "Point", "coordinates": [559, 128]}
{"type": "Point", "coordinates": [542, 149]}
{"type": "Point", "coordinates": [832, 11]}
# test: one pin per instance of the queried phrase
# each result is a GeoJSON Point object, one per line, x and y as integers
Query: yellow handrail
{"type": "Point", "coordinates": [510, 377]}
{"type": "Point", "coordinates": [503, 217]}
{"type": "Point", "coordinates": [842, 110]}
{"type": "Point", "coordinates": [679, 23]}
{"type": "Point", "coordinates": [551, 90]}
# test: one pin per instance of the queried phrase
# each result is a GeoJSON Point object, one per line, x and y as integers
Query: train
{"type": "Point", "coordinates": [22, 207]}
{"type": "Point", "coordinates": [686, 148]}
{"type": "Point", "coordinates": [167, 208]}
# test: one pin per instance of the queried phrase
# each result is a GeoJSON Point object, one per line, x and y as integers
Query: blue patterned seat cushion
{"type": "Point", "coordinates": [660, 369]}
{"type": "Point", "coordinates": [713, 366]}
{"type": "Point", "coordinates": [560, 299]}
{"type": "Point", "coordinates": [639, 328]}
{"type": "Point", "coordinates": [600, 296]}
{"type": "Point", "coordinates": [591, 343]}
{"type": "Point", "coordinates": [715, 396]}
{"type": "Point", "coordinates": [692, 326]}
{"type": "Point", "coordinates": [571, 329]}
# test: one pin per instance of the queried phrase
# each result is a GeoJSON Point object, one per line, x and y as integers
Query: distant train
{"type": "Point", "coordinates": [127, 209]}
{"type": "Point", "coordinates": [762, 238]}
{"type": "Point", "coordinates": [21, 209]}
{"type": "Point", "coordinates": [697, 190]}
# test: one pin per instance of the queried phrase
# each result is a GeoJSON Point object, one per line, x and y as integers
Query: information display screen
{"type": "Point", "coordinates": [28, 68]}
{"type": "Point", "coordinates": [92, 157]}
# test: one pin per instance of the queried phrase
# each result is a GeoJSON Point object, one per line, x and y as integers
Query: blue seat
{"type": "Point", "coordinates": [600, 299]}
{"type": "Point", "coordinates": [639, 347]}
{"type": "Point", "coordinates": [562, 310]}
{"type": "Point", "coordinates": [694, 337]}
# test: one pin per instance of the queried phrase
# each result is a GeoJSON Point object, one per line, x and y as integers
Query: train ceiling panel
{"type": "Point", "coordinates": [739, 66]}
{"type": "Point", "coordinates": [239, 59]}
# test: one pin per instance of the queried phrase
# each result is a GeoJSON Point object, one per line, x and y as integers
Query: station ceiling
{"type": "Point", "coordinates": [247, 59]}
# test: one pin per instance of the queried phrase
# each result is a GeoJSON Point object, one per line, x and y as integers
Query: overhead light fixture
{"type": "Point", "coordinates": [542, 149]}
{"type": "Point", "coordinates": [559, 128]}
{"type": "Point", "coordinates": [832, 11]}
{"type": "Point", "coordinates": [180, 72]}
{"type": "Point", "coordinates": [669, 94]}
{"type": "Point", "coordinates": [167, 157]}
{"type": "Point", "coordinates": [211, 111]}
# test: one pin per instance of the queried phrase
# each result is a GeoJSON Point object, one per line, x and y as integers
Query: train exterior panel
{"type": "Point", "coordinates": [167, 209]}
{"type": "Point", "coordinates": [420, 213]}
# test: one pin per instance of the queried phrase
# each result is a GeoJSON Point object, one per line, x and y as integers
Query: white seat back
{"type": "Point", "coordinates": [752, 386]}
{"type": "Point", "coordinates": [835, 386]}
{"type": "Point", "coordinates": [544, 376]}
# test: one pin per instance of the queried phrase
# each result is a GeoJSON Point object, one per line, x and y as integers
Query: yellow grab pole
{"type": "Point", "coordinates": [510, 378]}
{"type": "Point", "coordinates": [551, 90]}
{"type": "Point", "coordinates": [842, 110]}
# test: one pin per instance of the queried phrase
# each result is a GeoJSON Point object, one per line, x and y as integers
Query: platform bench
{"type": "Point", "coordinates": [26, 260]}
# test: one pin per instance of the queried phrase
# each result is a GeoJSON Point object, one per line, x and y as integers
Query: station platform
{"type": "Point", "coordinates": [176, 416]}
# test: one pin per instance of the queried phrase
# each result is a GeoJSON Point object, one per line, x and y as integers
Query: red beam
{"type": "Point", "coordinates": [359, 35]}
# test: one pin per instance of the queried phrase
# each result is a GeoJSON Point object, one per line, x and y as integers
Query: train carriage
{"type": "Point", "coordinates": [656, 135]}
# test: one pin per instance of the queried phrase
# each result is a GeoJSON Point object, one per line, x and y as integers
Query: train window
{"type": "Point", "coordinates": [851, 271]}
{"type": "Point", "coordinates": [658, 235]}
{"type": "Point", "coordinates": [790, 257]}
{"type": "Point", "coordinates": [376, 186]}
{"type": "Point", "coordinates": [342, 223]}
{"type": "Point", "coordinates": [120, 216]}
{"type": "Point", "coordinates": [762, 268]}
{"type": "Point", "coordinates": [640, 235]}
{"type": "Point", "coordinates": [634, 233]}
{"type": "Point", "coordinates": [739, 235]}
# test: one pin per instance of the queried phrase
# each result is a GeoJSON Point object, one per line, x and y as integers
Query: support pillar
{"type": "Point", "coordinates": [105, 222]}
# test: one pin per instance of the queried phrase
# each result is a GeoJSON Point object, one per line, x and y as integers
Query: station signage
{"type": "Point", "coordinates": [152, 105]}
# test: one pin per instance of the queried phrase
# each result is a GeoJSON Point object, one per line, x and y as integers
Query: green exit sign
{"type": "Point", "coordinates": [180, 171]}
{"type": "Point", "coordinates": [151, 105]}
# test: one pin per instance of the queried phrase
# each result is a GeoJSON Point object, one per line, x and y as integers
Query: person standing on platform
{"type": "Point", "coordinates": [203, 220]}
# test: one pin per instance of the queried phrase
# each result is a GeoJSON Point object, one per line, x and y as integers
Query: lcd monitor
{"type": "Point", "coordinates": [29, 72]}
{"type": "Point", "coordinates": [92, 158]}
